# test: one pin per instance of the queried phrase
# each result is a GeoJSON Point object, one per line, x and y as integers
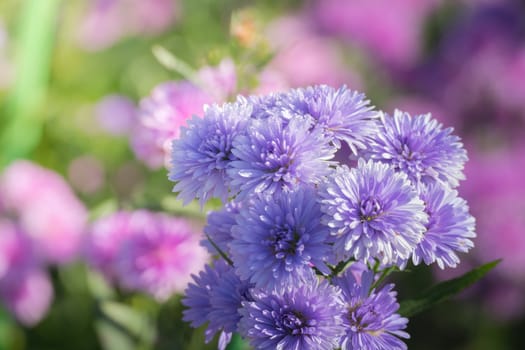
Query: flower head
{"type": "Point", "coordinates": [277, 155]}
{"type": "Point", "coordinates": [46, 208]}
{"type": "Point", "coordinates": [372, 212]}
{"type": "Point", "coordinates": [278, 238]}
{"type": "Point", "coordinates": [214, 297]}
{"type": "Point", "coordinates": [219, 227]}
{"type": "Point", "coordinates": [25, 289]}
{"type": "Point", "coordinates": [105, 237]}
{"type": "Point", "coordinates": [201, 157]}
{"type": "Point", "coordinates": [308, 316]}
{"type": "Point", "coordinates": [449, 229]}
{"type": "Point", "coordinates": [343, 114]}
{"type": "Point", "coordinates": [370, 320]}
{"type": "Point", "coordinates": [418, 147]}
{"type": "Point", "coordinates": [159, 255]}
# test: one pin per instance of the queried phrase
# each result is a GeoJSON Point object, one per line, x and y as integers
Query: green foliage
{"type": "Point", "coordinates": [445, 290]}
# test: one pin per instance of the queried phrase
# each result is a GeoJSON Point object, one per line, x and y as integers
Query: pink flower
{"type": "Point", "coordinates": [105, 237]}
{"type": "Point", "coordinates": [389, 31]}
{"type": "Point", "coordinates": [147, 251]}
{"type": "Point", "coordinates": [305, 58]}
{"type": "Point", "coordinates": [108, 21]}
{"type": "Point", "coordinates": [24, 288]}
{"type": "Point", "coordinates": [47, 209]}
{"type": "Point", "coordinates": [170, 104]}
{"type": "Point", "coordinates": [496, 195]}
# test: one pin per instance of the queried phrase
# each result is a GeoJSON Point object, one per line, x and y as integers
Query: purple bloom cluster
{"type": "Point", "coordinates": [295, 217]}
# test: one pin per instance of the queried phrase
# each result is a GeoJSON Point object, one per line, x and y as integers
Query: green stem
{"type": "Point", "coordinates": [34, 46]}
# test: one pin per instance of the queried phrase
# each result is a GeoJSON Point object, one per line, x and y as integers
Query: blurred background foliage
{"type": "Point", "coordinates": [464, 61]}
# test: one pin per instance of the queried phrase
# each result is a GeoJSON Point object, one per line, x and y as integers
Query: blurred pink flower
{"type": "Point", "coordinates": [108, 21]}
{"type": "Point", "coordinates": [170, 104]}
{"type": "Point", "coordinates": [496, 194]}
{"type": "Point", "coordinates": [303, 57]}
{"type": "Point", "coordinates": [24, 288]}
{"type": "Point", "coordinates": [47, 209]}
{"type": "Point", "coordinates": [390, 31]}
{"type": "Point", "coordinates": [104, 238]}
{"type": "Point", "coordinates": [29, 298]}
{"type": "Point", "coordinates": [146, 251]}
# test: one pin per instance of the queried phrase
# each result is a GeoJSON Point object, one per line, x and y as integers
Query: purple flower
{"type": "Point", "coordinates": [278, 238]}
{"type": "Point", "coordinates": [219, 227]}
{"type": "Point", "coordinates": [159, 255]}
{"type": "Point", "coordinates": [197, 297]}
{"type": "Point", "coordinates": [418, 147]}
{"type": "Point", "coordinates": [214, 297]}
{"type": "Point", "coordinates": [276, 156]}
{"type": "Point", "coordinates": [373, 212]}
{"type": "Point", "coordinates": [202, 155]}
{"type": "Point", "coordinates": [343, 114]}
{"type": "Point", "coordinates": [449, 228]}
{"type": "Point", "coordinates": [307, 316]}
{"type": "Point", "coordinates": [370, 320]}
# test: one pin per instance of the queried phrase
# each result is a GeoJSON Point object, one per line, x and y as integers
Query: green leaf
{"type": "Point", "coordinates": [112, 337]}
{"type": "Point", "coordinates": [445, 290]}
{"type": "Point", "coordinates": [237, 343]}
{"type": "Point", "coordinates": [128, 318]}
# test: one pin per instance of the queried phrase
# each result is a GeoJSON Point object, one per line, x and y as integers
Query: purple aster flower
{"type": "Point", "coordinates": [307, 316]}
{"type": "Point", "coordinates": [343, 114]}
{"type": "Point", "coordinates": [278, 238]}
{"type": "Point", "coordinates": [226, 299]}
{"type": "Point", "coordinates": [202, 155]}
{"type": "Point", "coordinates": [275, 156]}
{"type": "Point", "coordinates": [159, 255]}
{"type": "Point", "coordinates": [373, 212]}
{"type": "Point", "coordinates": [219, 227]}
{"type": "Point", "coordinates": [370, 320]}
{"type": "Point", "coordinates": [214, 297]}
{"type": "Point", "coordinates": [419, 147]}
{"type": "Point", "coordinates": [449, 228]}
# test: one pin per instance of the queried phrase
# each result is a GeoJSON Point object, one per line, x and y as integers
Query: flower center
{"type": "Point", "coordinates": [285, 241]}
{"type": "Point", "coordinates": [293, 323]}
{"type": "Point", "coordinates": [370, 209]}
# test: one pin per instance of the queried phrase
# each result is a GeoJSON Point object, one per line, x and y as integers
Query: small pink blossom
{"type": "Point", "coordinates": [146, 251]}
{"type": "Point", "coordinates": [47, 210]}
{"type": "Point", "coordinates": [170, 104]}
{"type": "Point", "coordinates": [24, 287]}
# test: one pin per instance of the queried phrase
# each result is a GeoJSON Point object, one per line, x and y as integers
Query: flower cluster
{"type": "Point", "coordinates": [303, 237]}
